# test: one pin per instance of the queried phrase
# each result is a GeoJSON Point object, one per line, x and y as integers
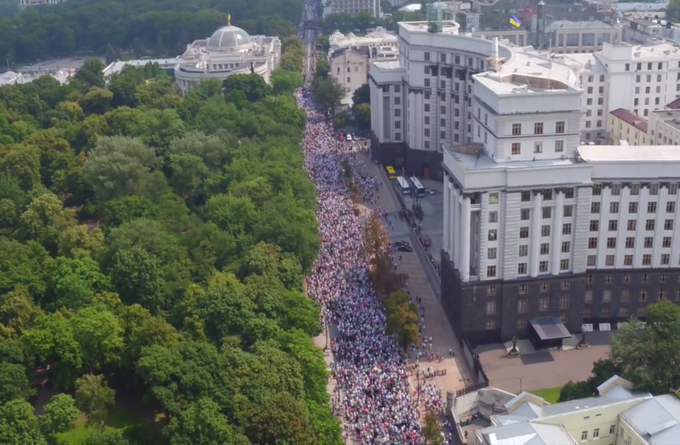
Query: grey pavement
{"type": "Point", "coordinates": [542, 369]}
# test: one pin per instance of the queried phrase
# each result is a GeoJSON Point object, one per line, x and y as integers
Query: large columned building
{"type": "Point", "coordinates": [230, 50]}
{"type": "Point", "coordinates": [537, 226]}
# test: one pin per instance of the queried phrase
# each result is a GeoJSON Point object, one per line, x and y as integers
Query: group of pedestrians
{"type": "Point", "coordinates": [373, 393]}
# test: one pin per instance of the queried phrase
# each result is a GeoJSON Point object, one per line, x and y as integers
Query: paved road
{"type": "Point", "coordinates": [423, 282]}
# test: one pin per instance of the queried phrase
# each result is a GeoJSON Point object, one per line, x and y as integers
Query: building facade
{"type": "Point", "coordinates": [350, 68]}
{"type": "Point", "coordinates": [354, 7]}
{"type": "Point", "coordinates": [423, 100]}
{"type": "Point", "coordinates": [27, 3]}
{"type": "Point", "coordinates": [663, 127]}
{"type": "Point", "coordinates": [230, 50]}
{"type": "Point", "coordinates": [618, 415]}
{"type": "Point", "coordinates": [581, 37]}
{"type": "Point", "coordinates": [637, 78]}
{"type": "Point", "coordinates": [537, 225]}
{"type": "Point", "coordinates": [624, 126]}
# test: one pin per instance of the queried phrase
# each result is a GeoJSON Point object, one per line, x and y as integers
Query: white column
{"type": "Point", "coordinates": [453, 223]}
{"type": "Point", "coordinates": [447, 214]}
{"type": "Point", "coordinates": [456, 227]}
{"type": "Point", "coordinates": [465, 240]}
{"type": "Point", "coordinates": [535, 233]}
{"type": "Point", "coordinates": [557, 234]}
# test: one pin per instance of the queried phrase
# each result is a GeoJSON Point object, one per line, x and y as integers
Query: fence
{"type": "Point", "coordinates": [476, 364]}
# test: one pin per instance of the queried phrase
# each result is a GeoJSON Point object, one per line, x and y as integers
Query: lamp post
{"type": "Point", "coordinates": [520, 384]}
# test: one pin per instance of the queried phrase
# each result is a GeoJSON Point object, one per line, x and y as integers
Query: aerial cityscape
{"type": "Point", "coordinates": [339, 221]}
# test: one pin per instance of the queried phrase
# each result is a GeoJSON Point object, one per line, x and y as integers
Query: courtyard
{"type": "Point", "coordinates": [542, 369]}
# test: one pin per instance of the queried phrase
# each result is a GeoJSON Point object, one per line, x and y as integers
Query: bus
{"type": "Point", "coordinates": [404, 185]}
{"type": "Point", "coordinates": [418, 187]}
{"type": "Point", "coordinates": [391, 172]}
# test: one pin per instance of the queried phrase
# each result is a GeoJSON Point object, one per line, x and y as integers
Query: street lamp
{"type": "Point", "coordinates": [520, 384]}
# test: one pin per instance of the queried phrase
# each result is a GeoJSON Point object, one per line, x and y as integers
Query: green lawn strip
{"type": "Point", "coordinates": [120, 418]}
{"type": "Point", "coordinates": [549, 394]}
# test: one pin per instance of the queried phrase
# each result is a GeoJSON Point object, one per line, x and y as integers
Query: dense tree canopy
{"type": "Point", "coordinates": [144, 27]}
{"type": "Point", "coordinates": [154, 244]}
{"type": "Point", "coordinates": [645, 353]}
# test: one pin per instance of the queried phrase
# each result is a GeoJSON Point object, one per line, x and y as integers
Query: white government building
{"type": "Point", "coordinates": [536, 225]}
{"type": "Point", "coordinates": [230, 50]}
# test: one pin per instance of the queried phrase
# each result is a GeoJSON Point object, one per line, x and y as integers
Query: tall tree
{"type": "Point", "coordinates": [94, 397]}
{"type": "Point", "coordinates": [18, 424]}
{"type": "Point", "coordinates": [647, 353]}
{"type": "Point", "coordinates": [58, 414]}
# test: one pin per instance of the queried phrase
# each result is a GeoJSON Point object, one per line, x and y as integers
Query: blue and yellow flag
{"type": "Point", "coordinates": [514, 21]}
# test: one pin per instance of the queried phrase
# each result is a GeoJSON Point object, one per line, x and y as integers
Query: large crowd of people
{"type": "Point", "coordinates": [373, 394]}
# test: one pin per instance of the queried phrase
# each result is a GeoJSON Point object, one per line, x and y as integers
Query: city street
{"type": "Point", "coordinates": [424, 282]}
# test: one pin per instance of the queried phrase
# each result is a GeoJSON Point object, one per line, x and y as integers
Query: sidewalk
{"type": "Point", "coordinates": [437, 326]}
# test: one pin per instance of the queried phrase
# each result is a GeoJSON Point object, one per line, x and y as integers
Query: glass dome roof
{"type": "Point", "coordinates": [229, 38]}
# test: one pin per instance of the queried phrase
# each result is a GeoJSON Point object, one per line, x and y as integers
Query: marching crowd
{"type": "Point", "coordinates": [373, 390]}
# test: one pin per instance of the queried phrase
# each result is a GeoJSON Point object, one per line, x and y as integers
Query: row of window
{"type": "Point", "coordinates": [545, 286]}
{"type": "Point", "coordinates": [456, 60]}
{"type": "Point", "coordinates": [526, 195]}
{"type": "Point", "coordinates": [624, 312]}
{"type": "Point", "coordinates": [610, 260]}
{"type": "Point", "coordinates": [538, 127]}
{"type": "Point", "coordinates": [638, 66]}
{"type": "Point", "coordinates": [650, 224]}
{"type": "Point", "coordinates": [543, 266]}
{"type": "Point", "coordinates": [615, 189]}
{"type": "Point", "coordinates": [516, 147]}
{"type": "Point", "coordinates": [643, 296]}
{"type": "Point", "coordinates": [630, 242]}
{"type": "Point", "coordinates": [632, 207]}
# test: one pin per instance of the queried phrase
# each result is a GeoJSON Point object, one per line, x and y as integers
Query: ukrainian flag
{"type": "Point", "coordinates": [514, 21]}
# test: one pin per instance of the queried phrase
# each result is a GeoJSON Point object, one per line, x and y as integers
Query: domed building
{"type": "Point", "coordinates": [230, 50]}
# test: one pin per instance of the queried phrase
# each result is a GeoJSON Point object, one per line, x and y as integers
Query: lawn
{"type": "Point", "coordinates": [120, 418]}
{"type": "Point", "coordinates": [550, 394]}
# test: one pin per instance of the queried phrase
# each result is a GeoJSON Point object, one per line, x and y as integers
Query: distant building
{"type": "Point", "coordinates": [622, 125]}
{"type": "Point", "coordinates": [379, 38]}
{"type": "Point", "coordinates": [230, 50]}
{"type": "Point", "coordinates": [581, 37]}
{"type": "Point", "coordinates": [354, 7]}
{"type": "Point", "coordinates": [350, 56]}
{"type": "Point", "coordinates": [664, 127]}
{"type": "Point", "coordinates": [638, 78]}
{"type": "Point", "coordinates": [519, 37]}
{"type": "Point", "coordinates": [27, 3]}
{"type": "Point", "coordinates": [618, 415]}
{"type": "Point", "coordinates": [14, 78]}
{"type": "Point", "coordinates": [350, 68]}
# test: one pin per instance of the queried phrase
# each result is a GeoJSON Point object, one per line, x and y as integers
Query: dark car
{"type": "Point", "coordinates": [405, 248]}
{"type": "Point", "coordinates": [400, 243]}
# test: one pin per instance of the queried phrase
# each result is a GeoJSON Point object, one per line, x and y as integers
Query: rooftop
{"type": "Point", "coordinates": [527, 434]}
{"type": "Point", "coordinates": [630, 118]}
{"type": "Point", "coordinates": [528, 82]}
{"type": "Point", "coordinates": [622, 153]}
{"type": "Point", "coordinates": [657, 420]}
{"type": "Point", "coordinates": [675, 105]}
{"type": "Point", "coordinates": [378, 37]}
{"type": "Point", "coordinates": [668, 117]}
{"type": "Point", "coordinates": [448, 26]}
{"type": "Point", "coordinates": [567, 24]}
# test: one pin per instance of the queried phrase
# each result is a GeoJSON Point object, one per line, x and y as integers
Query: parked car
{"type": "Point", "coordinates": [349, 137]}
{"type": "Point", "coordinates": [400, 243]}
{"type": "Point", "coordinates": [405, 248]}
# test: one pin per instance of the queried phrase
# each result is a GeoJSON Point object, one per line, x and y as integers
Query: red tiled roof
{"type": "Point", "coordinates": [630, 118]}
{"type": "Point", "coordinates": [675, 105]}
